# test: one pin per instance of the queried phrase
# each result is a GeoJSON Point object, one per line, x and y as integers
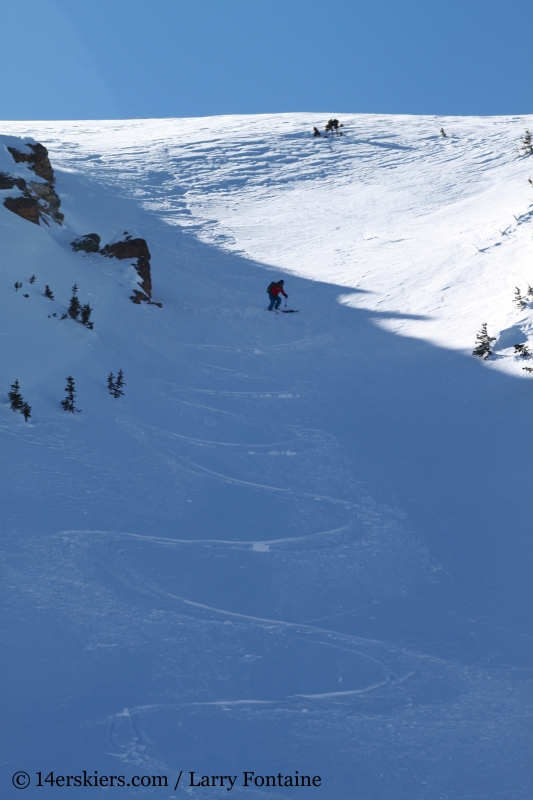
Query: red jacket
{"type": "Point", "coordinates": [277, 290]}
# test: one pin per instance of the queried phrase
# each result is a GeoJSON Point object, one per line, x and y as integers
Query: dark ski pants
{"type": "Point", "coordinates": [275, 301]}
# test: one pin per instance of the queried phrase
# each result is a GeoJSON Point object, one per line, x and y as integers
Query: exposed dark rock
{"type": "Point", "coordinates": [9, 181]}
{"type": "Point", "coordinates": [26, 207]}
{"type": "Point", "coordinates": [37, 161]}
{"type": "Point", "coordinates": [134, 249]}
{"type": "Point", "coordinates": [40, 196]}
{"type": "Point", "coordinates": [90, 243]}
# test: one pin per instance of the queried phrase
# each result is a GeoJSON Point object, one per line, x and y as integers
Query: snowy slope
{"type": "Point", "coordinates": [298, 542]}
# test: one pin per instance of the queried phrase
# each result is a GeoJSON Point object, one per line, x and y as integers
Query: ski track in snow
{"type": "Point", "coordinates": [171, 558]}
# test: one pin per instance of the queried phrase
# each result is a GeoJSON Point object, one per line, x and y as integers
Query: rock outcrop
{"type": "Point", "coordinates": [90, 243]}
{"type": "Point", "coordinates": [38, 200]}
{"type": "Point", "coordinates": [134, 249]}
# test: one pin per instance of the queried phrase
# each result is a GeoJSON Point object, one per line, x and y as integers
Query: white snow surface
{"type": "Point", "coordinates": [298, 541]}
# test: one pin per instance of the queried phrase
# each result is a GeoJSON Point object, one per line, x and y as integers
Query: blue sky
{"type": "Point", "coordinates": [62, 59]}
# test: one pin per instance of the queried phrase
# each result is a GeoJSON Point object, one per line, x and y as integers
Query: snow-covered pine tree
{"type": "Point", "coordinates": [483, 340]}
{"type": "Point", "coordinates": [111, 382]}
{"type": "Point", "coordinates": [69, 403]}
{"type": "Point", "coordinates": [18, 285]}
{"type": "Point", "coordinates": [26, 411]}
{"type": "Point", "coordinates": [32, 279]}
{"type": "Point", "coordinates": [15, 396]}
{"type": "Point", "coordinates": [48, 292]}
{"type": "Point", "coordinates": [519, 301]}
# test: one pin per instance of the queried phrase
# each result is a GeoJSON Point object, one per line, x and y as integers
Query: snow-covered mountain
{"type": "Point", "coordinates": [298, 542]}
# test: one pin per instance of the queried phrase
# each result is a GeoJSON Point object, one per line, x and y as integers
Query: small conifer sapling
{"type": "Point", "coordinates": [527, 143]}
{"type": "Point", "coordinates": [115, 386]}
{"type": "Point", "coordinates": [333, 127]}
{"type": "Point", "coordinates": [15, 396]}
{"type": "Point", "coordinates": [483, 341]}
{"type": "Point", "coordinates": [85, 314]}
{"type": "Point", "coordinates": [522, 350]}
{"type": "Point", "coordinates": [443, 133]}
{"type": "Point", "coordinates": [75, 305]}
{"type": "Point", "coordinates": [519, 301]}
{"type": "Point", "coordinates": [316, 132]}
{"type": "Point", "coordinates": [119, 383]}
{"type": "Point", "coordinates": [69, 403]}
{"type": "Point", "coordinates": [32, 280]}
{"type": "Point", "coordinates": [26, 411]}
{"type": "Point", "coordinates": [48, 292]}
{"type": "Point", "coordinates": [17, 285]}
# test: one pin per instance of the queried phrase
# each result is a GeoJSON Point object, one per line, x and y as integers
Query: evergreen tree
{"type": "Point", "coordinates": [115, 386]}
{"type": "Point", "coordinates": [119, 383]}
{"type": "Point", "coordinates": [32, 279]}
{"type": "Point", "coordinates": [443, 133]}
{"type": "Point", "coordinates": [69, 403]}
{"type": "Point", "coordinates": [483, 341]}
{"type": "Point", "coordinates": [75, 305]}
{"type": "Point", "coordinates": [316, 132]}
{"type": "Point", "coordinates": [48, 292]}
{"type": "Point", "coordinates": [333, 127]}
{"type": "Point", "coordinates": [519, 301]}
{"type": "Point", "coordinates": [85, 313]}
{"type": "Point", "coordinates": [522, 350]}
{"type": "Point", "coordinates": [18, 286]}
{"type": "Point", "coordinates": [527, 143]}
{"type": "Point", "coordinates": [15, 396]}
{"type": "Point", "coordinates": [26, 411]}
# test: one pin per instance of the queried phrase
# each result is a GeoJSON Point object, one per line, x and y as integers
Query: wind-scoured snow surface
{"type": "Point", "coordinates": [298, 541]}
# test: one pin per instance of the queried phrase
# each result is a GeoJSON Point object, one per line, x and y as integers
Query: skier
{"type": "Point", "coordinates": [274, 291]}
